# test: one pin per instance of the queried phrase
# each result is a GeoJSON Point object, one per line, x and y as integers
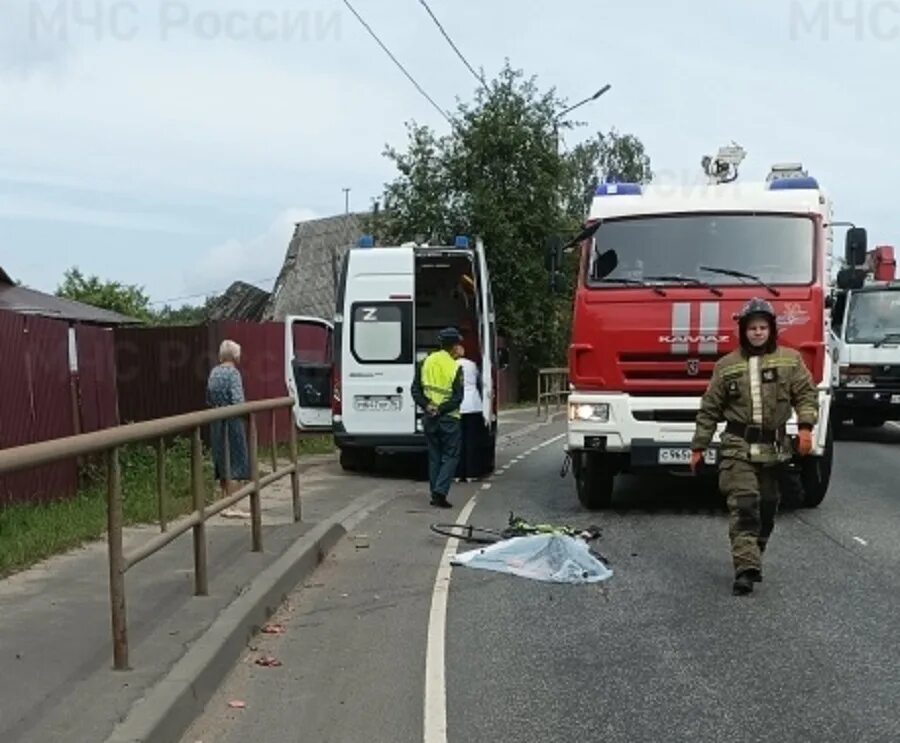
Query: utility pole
{"type": "Point", "coordinates": [346, 200]}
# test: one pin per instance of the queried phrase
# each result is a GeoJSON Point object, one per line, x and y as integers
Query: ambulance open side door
{"type": "Point", "coordinates": [308, 369]}
{"type": "Point", "coordinates": [488, 337]}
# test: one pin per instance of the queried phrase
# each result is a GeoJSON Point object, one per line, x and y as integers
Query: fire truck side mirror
{"type": "Point", "coordinates": [855, 246]}
{"type": "Point", "coordinates": [553, 253]}
{"type": "Point", "coordinates": [850, 278]}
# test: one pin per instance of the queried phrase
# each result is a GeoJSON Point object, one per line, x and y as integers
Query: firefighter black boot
{"type": "Point", "coordinates": [743, 582]}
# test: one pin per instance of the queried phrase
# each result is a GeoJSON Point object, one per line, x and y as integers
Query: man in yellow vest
{"type": "Point", "coordinates": [438, 390]}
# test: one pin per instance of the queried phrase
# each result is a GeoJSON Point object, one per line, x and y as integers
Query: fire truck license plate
{"type": "Point", "coordinates": [683, 456]}
{"type": "Point", "coordinates": [674, 456]}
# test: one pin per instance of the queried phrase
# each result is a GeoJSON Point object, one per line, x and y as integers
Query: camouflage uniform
{"type": "Point", "coordinates": [778, 382]}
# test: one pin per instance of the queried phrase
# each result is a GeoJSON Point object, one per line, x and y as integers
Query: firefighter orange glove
{"type": "Point", "coordinates": [804, 442]}
{"type": "Point", "coordinates": [696, 460]}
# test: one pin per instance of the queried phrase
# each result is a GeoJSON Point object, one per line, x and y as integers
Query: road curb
{"type": "Point", "coordinates": [169, 707]}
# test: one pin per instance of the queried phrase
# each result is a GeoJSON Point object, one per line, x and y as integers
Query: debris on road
{"type": "Point", "coordinates": [268, 661]}
{"type": "Point", "coordinates": [237, 704]}
{"type": "Point", "coordinates": [273, 629]}
{"type": "Point", "coordinates": [554, 558]}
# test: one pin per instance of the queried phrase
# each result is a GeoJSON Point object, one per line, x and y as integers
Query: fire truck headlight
{"type": "Point", "coordinates": [599, 413]}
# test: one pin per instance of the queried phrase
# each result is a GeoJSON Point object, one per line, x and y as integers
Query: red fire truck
{"type": "Point", "coordinates": [664, 270]}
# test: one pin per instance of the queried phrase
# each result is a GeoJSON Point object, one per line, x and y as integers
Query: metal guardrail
{"type": "Point", "coordinates": [553, 384]}
{"type": "Point", "coordinates": [109, 441]}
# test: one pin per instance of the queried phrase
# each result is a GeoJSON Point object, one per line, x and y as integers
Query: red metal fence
{"type": "Point", "coordinates": [95, 379]}
{"type": "Point", "coordinates": [162, 371]}
{"type": "Point", "coordinates": [35, 402]}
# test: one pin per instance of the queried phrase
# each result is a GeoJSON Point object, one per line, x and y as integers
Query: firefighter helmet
{"type": "Point", "coordinates": [757, 306]}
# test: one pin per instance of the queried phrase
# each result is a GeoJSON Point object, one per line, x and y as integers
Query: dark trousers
{"type": "Point", "coordinates": [470, 457]}
{"type": "Point", "coordinates": [442, 435]}
{"type": "Point", "coordinates": [753, 500]}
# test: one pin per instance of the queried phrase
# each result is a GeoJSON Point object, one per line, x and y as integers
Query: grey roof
{"type": "Point", "coordinates": [241, 301]}
{"type": "Point", "coordinates": [26, 301]}
{"type": "Point", "coordinates": [306, 284]}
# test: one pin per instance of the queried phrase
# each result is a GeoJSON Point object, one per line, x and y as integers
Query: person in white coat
{"type": "Point", "coordinates": [470, 460]}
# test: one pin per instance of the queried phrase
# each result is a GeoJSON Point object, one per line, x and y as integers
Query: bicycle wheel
{"type": "Point", "coordinates": [467, 533]}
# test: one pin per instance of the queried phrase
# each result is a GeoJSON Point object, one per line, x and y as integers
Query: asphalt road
{"type": "Point", "coordinates": [662, 651]}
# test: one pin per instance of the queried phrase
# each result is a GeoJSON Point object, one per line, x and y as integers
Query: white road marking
{"type": "Point", "coordinates": [435, 727]}
{"type": "Point", "coordinates": [435, 721]}
{"type": "Point", "coordinates": [862, 541]}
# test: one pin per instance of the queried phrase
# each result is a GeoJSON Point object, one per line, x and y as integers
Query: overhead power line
{"type": "Point", "coordinates": [453, 46]}
{"type": "Point", "coordinates": [397, 62]}
{"type": "Point", "coordinates": [212, 292]}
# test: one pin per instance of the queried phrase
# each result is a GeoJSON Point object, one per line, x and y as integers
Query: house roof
{"type": "Point", "coordinates": [26, 301]}
{"type": "Point", "coordinates": [241, 301]}
{"type": "Point", "coordinates": [306, 284]}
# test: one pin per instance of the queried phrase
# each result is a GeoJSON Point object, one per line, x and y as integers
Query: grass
{"type": "Point", "coordinates": [32, 532]}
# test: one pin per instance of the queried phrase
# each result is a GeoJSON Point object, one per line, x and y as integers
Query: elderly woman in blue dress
{"type": "Point", "coordinates": [225, 387]}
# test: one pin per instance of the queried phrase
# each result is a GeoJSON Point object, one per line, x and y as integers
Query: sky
{"type": "Point", "coordinates": [173, 144]}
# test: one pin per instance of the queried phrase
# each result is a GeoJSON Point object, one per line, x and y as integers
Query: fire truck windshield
{"type": "Point", "coordinates": [873, 316]}
{"type": "Point", "coordinates": [767, 248]}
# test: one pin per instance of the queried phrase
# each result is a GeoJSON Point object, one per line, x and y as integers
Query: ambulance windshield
{"type": "Point", "coordinates": [775, 249]}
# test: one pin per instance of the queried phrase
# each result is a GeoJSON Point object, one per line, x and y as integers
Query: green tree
{"type": "Point", "coordinates": [126, 299]}
{"type": "Point", "coordinates": [187, 314]}
{"type": "Point", "coordinates": [500, 174]}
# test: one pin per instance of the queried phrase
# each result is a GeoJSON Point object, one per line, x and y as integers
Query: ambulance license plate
{"type": "Point", "coordinates": [895, 399]}
{"type": "Point", "coordinates": [378, 403]}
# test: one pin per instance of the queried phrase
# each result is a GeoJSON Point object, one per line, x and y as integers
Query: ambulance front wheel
{"type": "Point", "coordinates": [594, 480]}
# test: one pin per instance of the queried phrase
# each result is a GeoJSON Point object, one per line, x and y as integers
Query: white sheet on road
{"type": "Point", "coordinates": [554, 558]}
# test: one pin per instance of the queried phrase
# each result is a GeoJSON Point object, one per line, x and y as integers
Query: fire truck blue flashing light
{"type": "Point", "coordinates": [618, 189]}
{"type": "Point", "coordinates": [790, 184]}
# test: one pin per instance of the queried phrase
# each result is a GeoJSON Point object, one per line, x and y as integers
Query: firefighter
{"type": "Point", "coordinates": [754, 389]}
{"type": "Point", "coordinates": [438, 390]}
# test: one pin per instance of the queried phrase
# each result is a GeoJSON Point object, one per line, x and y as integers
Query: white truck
{"type": "Point", "coordinates": [866, 339]}
{"type": "Point", "coordinates": [391, 302]}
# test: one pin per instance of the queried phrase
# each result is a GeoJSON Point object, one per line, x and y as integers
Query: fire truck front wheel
{"type": "Point", "coordinates": [815, 473]}
{"type": "Point", "coordinates": [594, 479]}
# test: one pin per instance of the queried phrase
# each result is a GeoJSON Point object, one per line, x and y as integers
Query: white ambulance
{"type": "Point", "coordinates": [391, 303]}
